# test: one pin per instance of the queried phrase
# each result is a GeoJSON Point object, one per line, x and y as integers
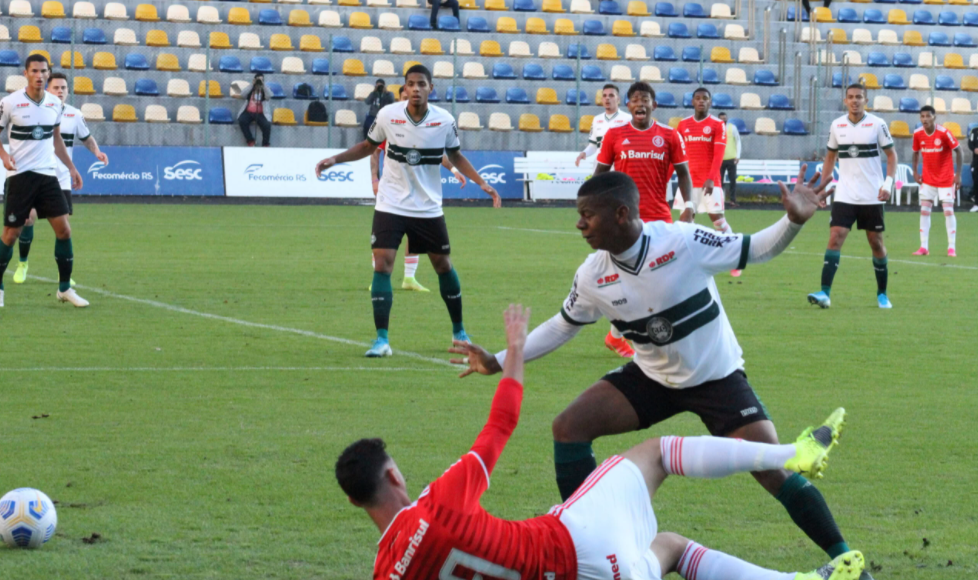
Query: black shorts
{"type": "Point", "coordinates": [67, 194]}
{"type": "Point", "coordinates": [425, 235]}
{"type": "Point", "coordinates": [29, 190]}
{"type": "Point", "coordinates": [724, 405]}
{"type": "Point", "coordinates": [866, 217]}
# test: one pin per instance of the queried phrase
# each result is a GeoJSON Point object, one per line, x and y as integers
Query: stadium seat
{"type": "Point", "coordinates": [806, 34]}
{"type": "Point", "coordinates": [320, 66]}
{"type": "Point", "coordinates": [564, 27]}
{"type": "Point", "coordinates": [575, 51]}
{"type": "Point", "coordinates": [477, 24]}
{"type": "Point", "coordinates": [679, 75]}
{"type": "Point", "coordinates": [115, 11]}
{"type": "Point", "coordinates": [923, 18]}
{"type": "Point", "coordinates": [964, 40]}
{"type": "Point", "coordinates": [371, 45]}
{"type": "Point", "coordinates": [401, 46]}
{"type": "Point", "coordinates": [353, 67]}
{"type": "Point", "coordinates": [741, 125]}
{"type": "Point", "coordinates": [146, 88]}
{"type": "Point", "coordinates": [609, 7]}
{"type": "Point", "coordinates": [723, 101]}
{"type": "Point", "coordinates": [189, 114]}
{"type": "Point", "coordinates": [665, 100]}
{"type": "Point", "coordinates": [94, 36]}
{"type": "Point", "coordinates": [664, 52]}
{"type": "Point", "coordinates": [869, 81]}
{"type": "Point", "coordinates": [692, 54]}
{"type": "Point", "coordinates": [442, 70]}
{"type": "Point", "coordinates": [20, 9]}
{"type": "Point", "coordinates": [766, 126]}
{"type": "Point", "coordinates": [66, 60]}
{"type": "Point", "coordinates": [823, 14]}
{"type": "Point", "coordinates": [92, 112]}
{"type": "Point", "coordinates": [873, 16]}
{"type": "Point", "coordinates": [104, 61]}
{"type": "Point", "coordinates": [573, 96]}
{"type": "Point", "coordinates": [249, 41]}
{"type": "Point", "coordinates": [346, 118]}
{"type": "Point", "coordinates": [887, 37]}
{"type": "Point", "coordinates": [707, 30]}
{"type": "Point", "coordinates": [678, 30]}
{"type": "Point", "coordinates": [925, 59]}
{"type": "Point", "coordinates": [665, 10]}
{"type": "Point", "coordinates": [114, 86]}
{"type": "Point", "coordinates": [188, 39]}
{"type": "Point", "coordinates": [584, 124]}
{"type": "Point", "coordinates": [969, 84]}
{"type": "Point", "coordinates": [178, 88]}
{"type": "Point", "coordinates": [519, 49]}
{"type": "Point", "coordinates": [894, 82]}
{"type": "Point", "coordinates": [750, 101]}
{"type": "Point", "coordinates": [84, 10]}
{"type": "Point", "coordinates": [418, 22]}
{"type": "Point", "coordinates": [239, 16]}
{"type": "Point", "coordinates": [340, 43]}
{"type": "Point", "coordinates": [147, 13]}
{"type": "Point", "coordinates": [208, 15]}
{"type": "Point", "coordinates": [83, 86]}
{"type": "Point", "coordinates": [559, 124]}
{"type": "Point", "coordinates": [552, 6]}
{"type": "Point", "coordinates": [10, 58]}
{"type": "Point", "coordinates": [622, 28]}
{"type": "Point", "coordinates": [621, 74]}
{"type": "Point", "coordinates": [490, 48]}
{"type": "Point", "coordinates": [448, 23]}
{"type": "Point", "coordinates": [637, 8]}
{"type": "Point", "coordinates": [674, 122]}
{"type": "Point", "coordinates": [838, 36]}
{"type": "Point", "coordinates": [635, 52]}
{"type": "Point", "coordinates": [283, 116]}
{"type": "Point", "coordinates": [213, 90]}
{"type": "Point", "coordinates": [948, 18]}
{"type": "Point", "coordinates": [903, 60]}
{"type": "Point", "coordinates": [709, 76]}
{"type": "Point", "coordinates": [523, 6]}
{"type": "Point", "coordinates": [219, 40]}
{"type": "Point", "coordinates": [938, 39]}
{"type": "Point", "coordinates": [897, 17]}
{"type": "Point", "coordinates": [331, 19]}
{"type": "Point", "coordinates": [720, 11]}
{"type": "Point", "coordinates": [694, 10]}
{"type": "Point", "coordinates": [939, 105]}
{"type": "Point", "coordinates": [765, 78]}
{"type": "Point", "coordinates": [883, 104]}
{"type": "Point", "coordinates": [429, 46]}
{"type": "Point", "coordinates": [230, 64]}
{"type": "Point", "coordinates": [278, 93]}
{"type": "Point", "coordinates": [198, 63]}
{"type": "Point", "coordinates": [470, 121]}
{"type": "Point", "coordinates": [52, 9]}
{"type": "Point", "coordinates": [500, 122]}
{"type": "Point", "coordinates": [126, 37]}
{"type": "Point", "coordinates": [124, 114]}
{"type": "Point", "coordinates": [61, 35]}
{"type": "Point", "coordinates": [533, 72]}
{"type": "Point", "coordinates": [550, 50]}
{"type": "Point", "coordinates": [954, 129]}
{"type": "Point", "coordinates": [837, 80]}
{"type": "Point", "coordinates": [877, 59]}
{"type": "Point", "coordinates": [944, 83]}
{"type": "Point", "coordinates": [482, 95]}
{"type": "Point", "coordinates": [794, 127]}
{"type": "Point", "coordinates": [153, 38]}
{"type": "Point", "coordinates": [592, 73]}
{"type": "Point", "coordinates": [791, 14]}
{"type": "Point", "coordinates": [913, 38]}
{"type": "Point", "coordinates": [848, 16]}
{"type": "Point", "coordinates": [650, 74]}
{"type": "Point", "coordinates": [177, 13]}
{"type": "Point", "coordinates": [260, 64]}
{"type": "Point", "coordinates": [581, 7]}
{"type": "Point", "coordinates": [720, 54]}
{"type": "Point", "coordinates": [15, 83]}
{"type": "Point", "coordinates": [336, 93]}
{"type": "Point", "coordinates": [562, 72]}
{"type": "Point", "coordinates": [284, 42]}
{"type": "Point", "coordinates": [517, 96]}
{"type": "Point", "coordinates": [300, 18]}
{"type": "Point", "coordinates": [303, 91]}
{"type": "Point", "coordinates": [780, 102]}
{"type": "Point", "coordinates": [919, 82]}
{"type": "Point", "coordinates": [900, 130]}
{"type": "Point", "coordinates": [749, 55]}
{"type": "Point", "coordinates": [970, 19]}
{"type": "Point", "coordinates": [269, 17]}
{"type": "Point", "coordinates": [594, 28]}
{"type": "Point", "coordinates": [530, 123]}
{"type": "Point", "coordinates": [852, 57]}
{"type": "Point", "coordinates": [136, 62]}
{"type": "Point", "coordinates": [607, 52]}
{"type": "Point", "coordinates": [547, 96]}
{"type": "Point", "coordinates": [293, 65]}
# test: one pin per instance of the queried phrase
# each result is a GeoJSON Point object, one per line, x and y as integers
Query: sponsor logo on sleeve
{"type": "Point", "coordinates": [609, 280]}
{"type": "Point", "coordinates": [712, 240]}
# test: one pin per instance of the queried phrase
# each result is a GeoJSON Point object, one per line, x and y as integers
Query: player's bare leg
{"type": "Point", "coordinates": [879, 267]}
{"type": "Point", "coordinates": [24, 242]}
{"type": "Point", "coordinates": [382, 298]}
{"type": "Point", "coordinates": [618, 343]}
{"type": "Point", "coordinates": [833, 253]}
{"type": "Point", "coordinates": [951, 223]}
{"type": "Point", "coordinates": [451, 292]}
{"type": "Point", "coordinates": [64, 256]}
{"type": "Point", "coordinates": [925, 209]}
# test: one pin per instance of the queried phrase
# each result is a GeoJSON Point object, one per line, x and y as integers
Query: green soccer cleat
{"type": "Point", "coordinates": [413, 285]}
{"type": "Point", "coordinates": [813, 445]}
{"type": "Point", "coordinates": [21, 274]}
{"type": "Point", "coordinates": [848, 566]}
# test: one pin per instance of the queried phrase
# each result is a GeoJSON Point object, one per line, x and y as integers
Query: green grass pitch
{"type": "Point", "coordinates": [196, 409]}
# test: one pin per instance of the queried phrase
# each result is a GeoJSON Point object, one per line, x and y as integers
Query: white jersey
{"type": "Point", "coordinates": [603, 123]}
{"type": "Point", "coordinates": [859, 146]}
{"type": "Point", "coordinates": [73, 128]}
{"type": "Point", "coordinates": [666, 302]}
{"type": "Point", "coordinates": [31, 131]}
{"type": "Point", "coordinates": [411, 183]}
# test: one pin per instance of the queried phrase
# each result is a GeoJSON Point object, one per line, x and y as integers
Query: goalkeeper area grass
{"type": "Point", "coordinates": [192, 415]}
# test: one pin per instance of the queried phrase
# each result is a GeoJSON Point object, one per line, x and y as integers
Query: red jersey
{"type": "Point", "coordinates": [647, 157]}
{"type": "Point", "coordinates": [705, 141]}
{"type": "Point", "coordinates": [446, 533]}
{"type": "Point", "coordinates": [936, 150]}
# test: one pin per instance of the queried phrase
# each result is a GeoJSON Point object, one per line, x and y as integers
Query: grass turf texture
{"type": "Point", "coordinates": [224, 470]}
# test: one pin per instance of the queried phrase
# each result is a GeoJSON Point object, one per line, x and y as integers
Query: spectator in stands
{"type": "Point", "coordinates": [256, 110]}
{"type": "Point", "coordinates": [731, 157]}
{"type": "Point", "coordinates": [808, 7]}
{"type": "Point", "coordinates": [376, 100]}
{"type": "Point", "coordinates": [437, 4]}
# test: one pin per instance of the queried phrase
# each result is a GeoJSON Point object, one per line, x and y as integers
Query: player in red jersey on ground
{"type": "Point", "coordinates": [605, 531]}
{"type": "Point", "coordinates": [646, 151]}
{"type": "Point", "coordinates": [705, 137]}
{"type": "Point", "coordinates": [940, 181]}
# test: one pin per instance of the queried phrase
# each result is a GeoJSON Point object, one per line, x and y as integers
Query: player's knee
{"type": "Point", "coordinates": [567, 429]}
{"type": "Point", "coordinates": [63, 232]}
{"type": "Point", "coordinates": [772, 481]}
{"type": "Point", "coordinates": [668, 548]}
{"type": "Point", "coordinates": [442, 264]}
{"type": "Point", "coordinates": [10, 235]}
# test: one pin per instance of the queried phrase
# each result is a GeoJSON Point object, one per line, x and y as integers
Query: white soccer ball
{"type": "Point", "coordinates": [27, 518]}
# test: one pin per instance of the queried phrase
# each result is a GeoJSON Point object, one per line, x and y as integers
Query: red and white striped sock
{"type": "Point", "coordinates": [410, 266]}
{"type": "Point", "coordinates": [699, 563]}
{"type": "Point", "coordinates": [712, 457]}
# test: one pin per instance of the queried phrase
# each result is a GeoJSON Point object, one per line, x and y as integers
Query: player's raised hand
{"type": "Point", "coordinates": [804, 198]}
{"type": "Point", "coordinates": [478, 359]}
{"type": "Point", "coordinates": [324, 165]}
{"type": "Point", "coordinates": [517, 318]}
{"type": "Point", "coordinates": [497, 201]}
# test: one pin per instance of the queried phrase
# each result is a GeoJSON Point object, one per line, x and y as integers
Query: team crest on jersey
{"type": "Point", "coordinates": [853, 151]}
{"type": "Point", "coordinates": [707, 130]}
{"type": "Point", "coordinates": [413, 157]}
{"type": "Point", "coordinates": [658, 141]}
{"type": "Point", "coordinates": [37, 132]}
{"type": "Point", "coordinates": [609, 280]}
{"type": "Point", "coordinates": [937, 142]}
{"type": "Point", "coordinates": [659, 329]}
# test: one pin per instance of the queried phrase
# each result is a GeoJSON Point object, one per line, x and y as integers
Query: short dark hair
{"type": "Point", "coordinates": [721, 114]}
{"type": "Point", "coordinates": [360, 468]}
{"type": "Point", "coordinates": [610, 86]}
{"type": "Point", "coordinates": [703, 90]}
{"type": "Point", "coordinates": [380, 82]}
{"type": "Point", "coordinates": [56, 76]}
{"type": "Point", "coordinates": [399, 90]}
{"type": "Point", "coordinates": [859, 86]}
{"type": "Point", "coordinates": [418, 69]}
{"type": "Point", "coordinates": [929, 109]}
{"type": "Point", "coordinates": [641, 87]}
{"type": "Point", "coordinates": [615, 189]}
{"type": "Point", "coordinates": [36, 58]}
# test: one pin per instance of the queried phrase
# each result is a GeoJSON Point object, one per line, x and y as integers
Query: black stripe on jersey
{"type": "Point", "coordinates": [664, 326]}
{"type": "Point", "coordinates": [422, 156]}
{"type": "Point", "coordinates": [26, 133]}
{"type": "Point", "coordinates": [69, 139]}
{"type": "Point", "coordinates": [635, 268]}
{"type": "Point", "coordinates": [744, 253]}
{"type": "Point", "coordinates": [843, 154]}
{"type": "Point", "coordinates": [571, 320]}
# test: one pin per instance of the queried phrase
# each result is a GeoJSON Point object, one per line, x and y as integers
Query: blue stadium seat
{"type": "Point", "coordinates": [269, 17]}
{"type": "Point", "coordinates": [136, 61]}
{"type": "Point", "coordinates": [433, 96]}
{"type": "Point", "coordinates": [609, 7]}
{"type": "Point", "coordinates": [944, 83]}
{"type": "Point", "coordinates": [61, 35]}
{"type": "Point", "coordinates": [665, 9]}
{"type": "Point", "coordinates": [964, 39]}
{"type": "Point", "coordinates": [939, 39]}
{"type": "Point", "coordinates": [903, 60]}
{"type": "Point", "coordinates": [894, 82]}
{"type": "Point", "coordinates": [779, 102]}
{"type": "Point", "coordinates": [679, 75]}
{"type": "Point", "coordinates": [692, 54]}
{"type": "Point", "coordinates": [339, 93]}
{"type": "Point", "coordinates": [664, 52]}
{"type": "Point", "coordinates": [146, 88]}
{"type": "Point", "coordinates": [948, 18]}
{"type": "Point", "coordinates": [504, 70]}
{"type": "Point", "coordinates": [909, 105]}
{"type": "Point", "coordinates": [593, 28]}
{"type": "Point", "coordinates": [791, 14]}
{"type": "Point", "coordinates": [448, 23]}
{"type": "Point", "coordinates": [572, 51]}
{"type": "Point", "coordinates": [229, 64]}
{"type": "Point", "coordinates": [343, 44]}
{"type": "Point", "coordinates": [94, 36]}
{"type": "Point", "coordinates": [572, 97]}
{"type": "Point", "coordinates": [477, 24]}
{"type": "Point", "coordinates": [911, 1]}
{"type": "Point", "coordinates": [847, 15]}
{"type": "Point", "coordinates": [694, 10]}
{"type": "Point", "coordinates": [765, 78]}
{"type": "Point", "coordinates": [517, 96]}
{"type": "Point", "coordinates": [462, 96]}
{"type": "Point", "coordinates": [320, 66]}
{"type": "Point", "coordinates": [524, 6]}
{"type": "Point", "coordinates": [707, 30]}
{"type": "Point", "coordinates": [533, 72]}
{"type": "Point", "coordinates": [742, 127]}
{"type": "Point", "coordinates": [923, 17]}
{"type": "Point", "coordinates": [418, 22]}
{"type": "Point", "coordinates": [220, 116]}
{"type": "Point", "coordinates": [709, 77]}
{"type": "Point", "coordinates": [9, 58]}
{"type": "Point", "coordinates": [277, 91]}
{"type": "Point", "coordinates": [794, 127]}
{"type": "Point", "coordinates": [563, 72]}
{"type": "Point", "coordinates": [723, 101]}
{"type": "Point", "coordinates": [873, 16]}
{"type": "Point", "coordinates": [303, 91]}
{"type": "Point", "coordinates": [688, 100]}
{"type": "Point", "coordinates": [837, 80]}
{"type": "Point", "coordinates": [592, 73]}
{"type": "Point", "coordinates": [970, 18]}
{"type": "Point", "coordinates": [678, 30]}
{"type": "Point", "coordinates": [665, 100]}
{"type": "Point", "coordinates": [261, 64]}
{"type": "Point", "coordinates": [877, 59]}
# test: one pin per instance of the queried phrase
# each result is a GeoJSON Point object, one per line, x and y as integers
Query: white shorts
{"type": "Point", "coordinates": [611, 522]}
{"type": "Point", "coordinates": [935, 194]}
{"type": "Point", "coordinates": [702, 203]}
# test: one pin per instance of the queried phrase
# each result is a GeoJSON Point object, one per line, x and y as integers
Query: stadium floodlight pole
{"type": "Point", "coordinates": [329, 83]}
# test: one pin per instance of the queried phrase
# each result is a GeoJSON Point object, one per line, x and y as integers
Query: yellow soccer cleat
{"type": "Point", "coordinates": [413, 285]}
{"type": "Point", "coordinates": [21, 274]}
{"type": "Point", "coordinates": [813, 445]}
{"type": "Point", "coordinates": [848, 566]}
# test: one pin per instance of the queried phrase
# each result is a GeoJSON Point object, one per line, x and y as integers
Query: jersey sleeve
{"type": "Point", "coordinates": [579, 308]}
{"type": "Point", "coordinates": [82, 132]}
{"type": "Point", "coordinates": [461, 486]}
{"type": "Point", "coordinates": [592, 137]}
{"type": "Point", "coordinates": [376, 134]}
{"type": "Point", "coordinates": [916, 141]}
{"type": "Point", "coordinates": [606, 156]}
{"type": "Point", "coordinates": [451, 139]}
{"type": "Point", "coordinates": [721, 138]}
{"type": "Point", "coordinates": [833, 144]}
{"type": "Point", "coordinates": [5, 110]}
{"type": "Point", "coordinates": [952, 142]}
{"type": "Point", "coordinates": [677, 149]}
{"type": "Point", "coordinates": [715, 252]}
{"type": "Point", "coordinates": [61, 112]}
{"type": "Point", "coordinates": [884, 138]}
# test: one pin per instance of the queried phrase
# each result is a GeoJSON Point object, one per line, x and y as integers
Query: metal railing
{"type": "Point", "coordinates": [782, 54]}
{"type": "Point", "coordinates": [766, 55]}
{"type": "Point", "coordinates": [797, 74]}
{"type": "Point", "coordinates": [751, 19]}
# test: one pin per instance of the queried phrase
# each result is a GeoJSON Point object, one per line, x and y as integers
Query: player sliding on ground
{"type": "Point", "coordinates": [654, 281]}
{"type": "Point", "coordinates": [409, 198]}
{"type": "Point", "coordinates": [940, 181]}
{"type": "Point", "coordinates": [605, 531]}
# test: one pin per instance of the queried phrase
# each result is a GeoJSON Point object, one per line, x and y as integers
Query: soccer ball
{"type": "Point", "coordinates": [27, 518]}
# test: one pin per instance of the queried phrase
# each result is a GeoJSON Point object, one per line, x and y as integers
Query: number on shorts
{"type": "Point", "coordinates": [483, 568]}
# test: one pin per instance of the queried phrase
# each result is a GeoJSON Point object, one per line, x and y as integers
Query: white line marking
{"type": "Point", "coordinates": [300, 332]}
{"type": "Point", "coordinates": [889, 260]}
{"type": "Point", "coordinates": [209, 369]}
{"type": "Point", "coordinates": [561, 232]}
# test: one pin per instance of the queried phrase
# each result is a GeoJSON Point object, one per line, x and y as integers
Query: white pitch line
{"type": "Point", "coordinates": [561, 232]}
{"type": "Point", "coordinates": [297, 331]}
{"type": "Point", "coordinates": [208, 369]}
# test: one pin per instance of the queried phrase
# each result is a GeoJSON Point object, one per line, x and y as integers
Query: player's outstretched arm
{"type": "Point", "coordinates": [355, 153]}
{"type": "Point", "coordinates": [465, 168]}
{"type": "Point", "coordinates": [92, 145]}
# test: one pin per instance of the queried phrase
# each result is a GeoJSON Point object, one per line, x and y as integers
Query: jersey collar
{"type": "Point", "coordinates": [861, 119]}
{"type": "Point", "coordinates": [636, 267]}
{"type": "Point", "coordinates": [411, 119]}
{"type": "Point", "coordinates": [651, 126]}
{"type": "Point", "coordinates": [38, 103]}
{"type": "Point", "coordinates": [607, 118]}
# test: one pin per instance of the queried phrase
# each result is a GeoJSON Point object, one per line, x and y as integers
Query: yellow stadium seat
{"type": "Point", "coordinates": [552, 6]}
{"type": "Point", "coordinates": [280, 42]}
{"type": "Point", "coordinates": [959, 2]}
{"type": "Point", "coordinates": [220, 40]}
{"type": "Point", "coordinates": [838, 36]}
{"type": "Point", "coordinates": [299, 17]}
{"type": "Point", "coordinates": [969, 83]}
{"type": "Point", "coordinates": [564, 27]}
{"type": "Point", "coordinates": [353, 67]}
{"type": "Point", "coordinates": [530, 122]}
{"type": "Point", "coordinates": [147, 13]}
{"type": "Point", "coordinates": [896, 16]}
{"type": "Point", "coordinates": [900, 129]}
{"type": "Point", "coordinates": [954, 128]}
{"type": "Point", "coordinates": [157, 38]}
{"type": "Point", "coordinates": [559, 124]}
{"type": "Point", "coordinates": [52, 9]}
{"type": "Point", "coordinates": [536, 26]}
{"type": "Point", "coordinates": [408, 65]}
{"type": "Point", "coordinates": [168, 62]}
{"type": "Point", "coordinates": [467, 5]}
{"type": "Point", "coordinates": [584, 124]}
{"type": "Point", "coordinates": [104, 61]}
{"type": "Point", "coordinates": [941, 2]}
{"type": "Point", "coordinates": [547, 96]}
{"type": "Point", "coordinates": [953, 60]}
{"type": "Point", "coordinates": [487, 48]}
{"type": "Point", "coordinates": [124, 114]}
{"type": "Point", "coordinates": [674, 121]}
{"type": "Point", "coordinates": [637, 8]}
{"type": "Point", "coordinates": [607, 52]}
{"type": "Point", "coordinates": [239, 16]}
{"type": "Point", "coordinates": [360, 20]}
{"type": "Point", "coordinates": [721, 54]}
{"type": "Point", "coordinates": [869, 81]}
{"type": "Point", "coordinates": [431, 46]}
{"type": "Point", "coordinates": [622, 28]}
{"type": "Point", "coordinates": [283, 116]}
{"type": "Point", "coordinates": [507, 25]}
{"type": "Point", "coordinates": [495, 5]}
{"type": "Point", "coordinates": [310, 43]}
{"type": "Point", "coordinates": [66, 60]}
{"type": "Point", "coordinates": [84, 86]}
{"type": "Point", "coordinates": [29, 34]}
{"type": "Point", "coordinates": [393, 89]}
{"type": "Point", "coordinates": [308, 123]}
{"type": "Point", "coordinates": [215, 90]}
{"type": "Point", "coordinates": [823, 14]}
{"type": "Point", "coordinates": [348, 3]}
{"type": "Point", "coordinates": [913, 38]}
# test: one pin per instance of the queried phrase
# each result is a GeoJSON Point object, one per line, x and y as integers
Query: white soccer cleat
{"type": "Point", "coordinates": [1, 298]}
{"type": "Point", "coordinates": [71, 296]}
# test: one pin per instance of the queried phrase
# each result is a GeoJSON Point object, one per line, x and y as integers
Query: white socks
{"type": "Point", "coordinates": [713, 457]}
{"type": "Point", "coordinates": [951, 223]}
{"type": "Point", "coordinates": [614, 332]}
{"type": "Point", "coordinates": [924, 226]}
{"type": "Point", "coordinates": [698, 563]}
{"type": "Point", "coordinates": [410, 266]}
{"type": "Point", "coordinates": [722, 226]}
